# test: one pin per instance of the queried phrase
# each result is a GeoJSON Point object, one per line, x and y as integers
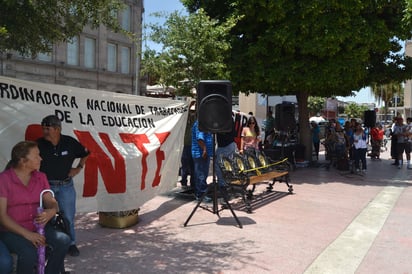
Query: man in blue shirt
{"type": "Point", "coordinates": [202, 150]}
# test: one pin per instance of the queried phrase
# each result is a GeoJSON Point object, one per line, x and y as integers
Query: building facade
{"type": "Point", "coordinates": [95, 59]}
{"type": "Point", "coordinates": [407, 107]}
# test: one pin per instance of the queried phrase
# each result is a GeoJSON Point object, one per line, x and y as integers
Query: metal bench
{"type": "Point", "coordinates": [243, 172]}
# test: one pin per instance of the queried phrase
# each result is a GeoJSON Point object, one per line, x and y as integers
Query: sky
{"type": "Point", "coordinates": [152, 6]}
{"type": "Point", "coordinates": [169, 6]}
{"type": "Point", "coordinates": [363, 96]}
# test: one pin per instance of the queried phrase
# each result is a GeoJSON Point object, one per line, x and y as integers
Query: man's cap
{"type": "Point", "coordinates": [51, 121]}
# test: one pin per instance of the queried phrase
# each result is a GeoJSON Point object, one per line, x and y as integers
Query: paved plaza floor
{"type": "Point", "coordinates": [335, 222]}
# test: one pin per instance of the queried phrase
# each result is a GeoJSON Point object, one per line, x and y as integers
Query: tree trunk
{"type": "Point", "coordinates": [305, 136]}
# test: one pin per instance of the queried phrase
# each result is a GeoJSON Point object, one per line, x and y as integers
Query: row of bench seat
{"type": "Point", "coordinates": [242, 172]}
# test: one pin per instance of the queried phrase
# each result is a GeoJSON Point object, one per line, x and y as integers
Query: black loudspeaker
{"type": "Point", "coordinates": [214, 106]}
{"type": "Point", "coordinates": [285, 117]}
{"type": "Point", "coordinates": [369, 118]}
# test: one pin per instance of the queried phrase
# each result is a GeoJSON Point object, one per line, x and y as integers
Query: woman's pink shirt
{"type": "Point", "coordinates": [22, 201]}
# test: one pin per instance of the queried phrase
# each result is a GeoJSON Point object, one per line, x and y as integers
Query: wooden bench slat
{"type": "Point", "coordinates": [266, 176]}
{"type": "Point", "coordinates": [237, 182]}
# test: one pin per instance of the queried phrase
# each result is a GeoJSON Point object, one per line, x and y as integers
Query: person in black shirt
{"type": "Point", "coordinates": [58, 153]}
{"type": "Point", "coordinates": [187, 165]}
{"type": "Point", "coordinates": [225, 147]}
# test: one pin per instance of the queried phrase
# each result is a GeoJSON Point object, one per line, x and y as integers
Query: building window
{"type": "Point", "coordinates": [125, 60]}
{"type": "Point", "coordinates": [44, 56]}
{"type": "Point", "coordinates": [125, 18]}
{"type": "Point", "coordinates": [111, 57]}
{"type": "Point", "coordinates": [73, 51]}
{"type": "Point", "coordinates": [89, 52]}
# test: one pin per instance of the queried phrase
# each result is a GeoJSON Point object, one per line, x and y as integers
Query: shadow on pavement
{"type": "Point", "coordinates": [259, 200]}
{"type": "Point", "coordinates": [147, 248]}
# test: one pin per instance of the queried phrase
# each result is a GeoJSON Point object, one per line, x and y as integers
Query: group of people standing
{"type": "Point", "coordinates": [34, 167]}
{"type": "Point", "coordinates": [354, 139]}
{"type": "Point", "coordinates": [349, 142]}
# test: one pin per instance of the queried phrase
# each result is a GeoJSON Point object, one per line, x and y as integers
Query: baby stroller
{"type": "Point", "coordinates": [384, 143]}
{"type": "Point", "coordinates": [336, 154]}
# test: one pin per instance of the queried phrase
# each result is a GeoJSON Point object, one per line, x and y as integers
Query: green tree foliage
{"type": "Point", "coordinates": [354, 110]}
{"type": "Point", "coordinates": [386, 93]}
{"type": "Point", "coordinates": [194, 48]}
{"type": "Point", "coordinates": [314, 47]}
{"type": "Point", "coordinates": [30, 27]}
{"type": "Point", "coordinates": [157, 67]}
{"type": "Point", "coordinates": [315, 105]}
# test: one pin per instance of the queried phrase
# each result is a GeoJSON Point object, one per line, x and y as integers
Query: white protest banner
{"type": "Point", "coordinates": [135, 141]}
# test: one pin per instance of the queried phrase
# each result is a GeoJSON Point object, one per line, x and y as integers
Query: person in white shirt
{"type": "Point", "coordinates": [360, 148]}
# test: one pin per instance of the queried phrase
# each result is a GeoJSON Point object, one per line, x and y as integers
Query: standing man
{"type": "Point", "coordinates": [409, 138]}
{"type": "Point", "coordinates": [202, 150]}
{"type": "Point", "coordinates": [58, 153]}
{"type": "Point", "coordinates": [394, 141]}
{"type": "Point", "coordinates": [187, 168]}
{"type": "Point", "coordinates": [269, 124]}
{"type": "Point", "coordinates": [315, 138]}
{"type": "Point", "coordinates": [402, 144]}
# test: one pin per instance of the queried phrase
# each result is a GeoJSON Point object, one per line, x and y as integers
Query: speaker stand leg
{"type": "Point", "coordinates": [223, 192]}
{"type": "Point", "coordinates": [214, 189]}
{"type": "Point", "coordinates": [215, 209]}
{"type": "Point", "coordinates": [194, 209]}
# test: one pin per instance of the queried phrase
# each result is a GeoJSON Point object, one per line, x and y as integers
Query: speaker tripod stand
{"type": "Point", "coordinates": [214, 188]}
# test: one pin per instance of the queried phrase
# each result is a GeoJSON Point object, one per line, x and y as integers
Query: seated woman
{"type": "Point", "coordinates": [20, 187]}
{"type": "Point", "coordinates": [250, 135]}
